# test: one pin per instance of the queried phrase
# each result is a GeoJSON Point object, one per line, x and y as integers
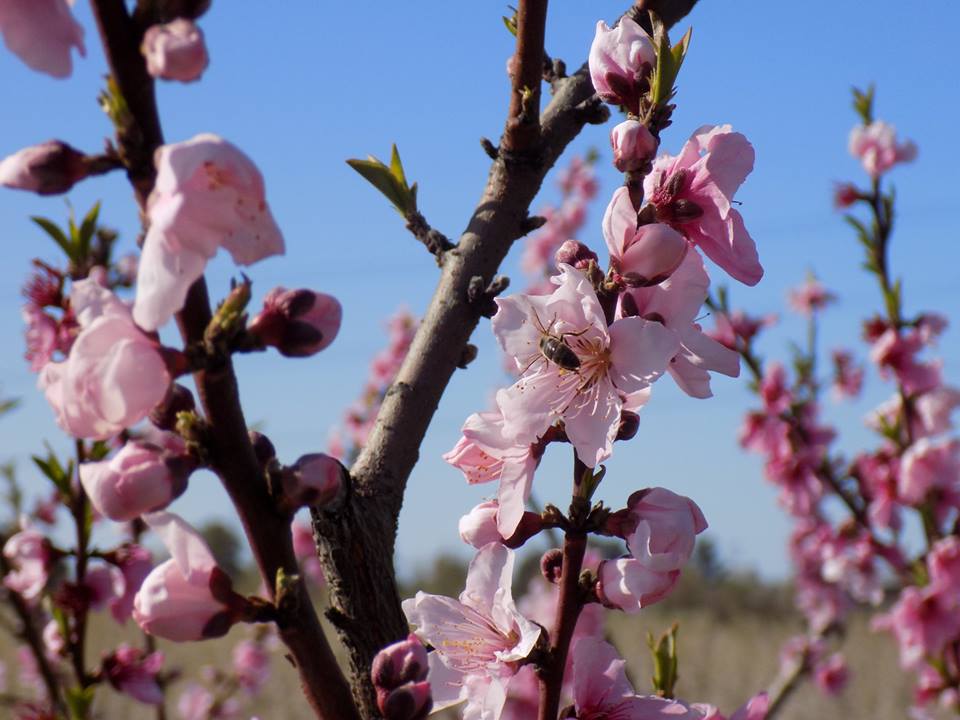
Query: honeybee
{"type": "Point", "coordinates": [554, 349]}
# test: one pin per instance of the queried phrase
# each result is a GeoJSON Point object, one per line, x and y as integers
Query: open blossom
{"type": "Point", "coordinates": [478, 639]}
{"type": "Point", "coordinates": [648, 254]}
{"type": "Point", "coordinates": [676, 303]}
{"type": "Point", "coordinates": [927, 466]}
{"type": "Point", "coordinates": [175, 51]}
{"type": "Point", "coordinates": [484, 454]}
{"type": "Point", "coordinates": [612, 363]}
{"type": "Point", "coordinates": [140, 478]}
{"type": "Point", "coordinates": [694, 191]}
{"type": "Point", "coordinates": [877, 147]}
{"type": "Point", "coordinates": [182, 598]}
{"type": "Point", "coordinates": [810, 297]}
{"type": "Point", "coordinates": [923, 621]}
{"type": "Point", "coordinates": [114, 374]}
{"type": "Point", "coordinates": [29, 552]}
{"type": "Point", "coordinates": [251, 664]}
{"type": "Point", "coordinates": [847, 375]}
{"type": "Point", "coordinates": [208, 195]}
{"type": "Point", "coordinates": [620, 61]}
{"type": "Point", "coordinates": [42, 33]}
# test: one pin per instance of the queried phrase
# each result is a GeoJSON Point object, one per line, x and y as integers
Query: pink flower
{"type": "Point", "coordinates": [179, 599]}
{"type": "Point", "coordinates": [50, 168]}
{"type": "Point", "coordinates": [620, 61]}
{"type": "Point", "coordinates": [694, 192]}
{"type": "Point", "coordinates": [114, 374]}
{"type": "Point", "coordinates": [251, 665]}
{"type": "Point", "coordinates": [738, 327]}
{"type": "Point", "coordinates": [929, 466]}
{"type": "Point", "coordinates": [754, 709]}
{"type": "Point", "coordinates": [896, 353]}
{"type": "Point", "coordinates": [315, 480]}
{"type": "Point", "coordinates": [601, 690]}
{"type": "Point", "coordinates": [479, 639]}
{"type": "Point", "coordinates": [847, 376]}
{"type": "Point", "coordinates": [877, 148]}
{"type": "Point", "coordinates": [135, 563]}
{"type": "Point", "coordinates": [943, 563]}
{"type": "Point", "coordinates": [933, 411]}
{"type": "Point", "coordinates": [208, 194]}
{"type": "Point", "coordinates": [175, 51]}
{"type": "Point", "coordinates": [195, 703]}
{"type": "Point", "coordinates": [666, 528]}
{"type": "Point", "coordinates": [479, 526]}
{"type": "Point", "coordinates": [645, 255]}
{"type": "Point", "coordinates": [924, 621]}
{"type": "Point", "coordinates": [299, 323]}
{"type": "Point", "coordinates": [611, 363]}
{"type": "Point", "coordinates": [810, 297]}
{"type": "Point", "coordinates": [141, 478]}
{"type": "Point", "coordinates": [29, 552]}
{"type": "Point", "coordinates": [306, 551]}
{"type": "Point", "coordinates": [675, 303]}
{"type": "Point", "coordinates": [41, 336]}
{"type": "Point", "coordinates": [484, 454]}
{"type": "Point", "coordinates": [399, 677]}
{"type": "Point", "coordinates": [53, 642]}
{"type": "Point", "coordinates": [41, 33]}
{"type": "Point", "coordinates": [832, 675]}
{"type": "Point", "coordinates": [633, 145]}
{"type": "Point", "coordinates": [134, 673]}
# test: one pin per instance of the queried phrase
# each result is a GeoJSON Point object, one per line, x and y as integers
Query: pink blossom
{"type": "Point", "coordinates": [114, 374]}
{"type": "Point", "coordinates": [646, 255]}
{"type": "Point", "coordinates": [195, 703]}
{"type": "Point", "coordinates": [133, 672]}
{"type": "Point", "coordinates": [928, 466]}
{"type": "Point", "coordinates": [484, 454]}
{"type": "Point", "coordinates": [135, 563]}
{"type": "Point", "coordinates": [175, 51]}
{"type": "Point", "coordinates": [625, 584]}
{"type": "Point", "coordinates": [50, 168]}
{"type": "Point", "coordinates": [29, 552]}
{"type": "Point", "coordinates": [633, 145]}
{"type": "Point", "coordinates": [754, 709]}
{"type": "Point", "coordinates": [42, 33]}
{"type": "Point", "coordinates": [810, 297]}
{"type": "Point", "coordinates": [314, 480]}
{"type": "Point", "coordinates": [832, 675]}
{"type": "Point", "coordinates": [847, 376]}
{"type": "Point", "coordinates": [923, 621]}
{"type": "Point", "coordinates": [895, 353]}
{"type": "Point", "coordinates": [141, 478]}
{"type": "Point", "coordinates": [620, 61]}
{"type": "Point", "coordinates": [666, 526]}
{"type": "Point", "coordinates": [53, 642]}
{"type": "Point", "coordinates": [738, 327]}
{"type": "Point", "coordinates": [251, 665]}
{"type": "Point", "coordinates": [103, 584]}
{"type": "Point", "coordinates": [943, 563]}
{"type": "Point", "coordinates": [877, 147]}
{"type": "Point", "coordinates": [299, 323]}
{"type": "Point", "coordinates": [612, 363]}
{"type": "Point", "coordinates": [208, 194]}
{"type": "Point", "coordinates": [933, 410]}
{"type": "Point", "coordinates": [479, 638]}
{"type": "Point", "coordinates": [675, 303]}
{"type": "Point", "coordinates": [178, 600]}
{"type": "Point", "coordinates": [694, 190]}
{"type": "Point", "coordinates": [41, 336]}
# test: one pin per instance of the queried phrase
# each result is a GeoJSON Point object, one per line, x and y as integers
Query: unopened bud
{"type": "Point", "coordinates": [400, 663]}
{"type": "Point", "coordinates": [179, 399]}
{"type": "Point", "coordinates": [633, 145]}
{"type": "Point", "coordinates": [551, 565]}
{"type": "Point", "coordinates": [316, 480]}
{"type": "Point", "coordinates": [575, 253]}
{"type": "Point", "coordinates": [408, 702]}
{"type": "Point", "coordinates": [50, 168]}
{"type": "Point", "coordinates": [262, 447]}
{"type": "Point", "coordinates": [629, 424]}
{"type": "Point", "coordinates": [299, 323]}
{"type": "Point", "coordinates": [479, 526]}
{"type": "Point", "coordinates": [845, 195]}
{"type": "Point", "coordinates": [175, 51]}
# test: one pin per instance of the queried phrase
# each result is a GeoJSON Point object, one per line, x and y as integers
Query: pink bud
{"type": "Point", "coordinates": [403, 662]}
{"type": "Point", "coordinates": [645, 255]}
{"type": "Point", "coordinates": [574, 253]}
{"type": "Point", "coordinates": [845, 195]}
{"type": "Point", "coordinates": [620, 61]}
{"type": "Point", "coordinates": [299, 323]}
{"type": "Point", "coordinates": [633, 145]}
{"type": "Point", "coordinates": [175, 51]}
{"type": "Point", "coordinates": [627, 585]}
{"type": "Point", "coordinates": [407, 702]}
{"type": "Point", "coordinates": [667, 526]}
{"type": "Point", "coordinates": [50, 168]}
{"type": "Point", "coordinates": [316, 480]}
{"type": "Point", "coordinates": [53, 641]}
{"type": "Point", "coordinates": [479, 526]}
{"type": "Point", "coordinates": [140, 478]}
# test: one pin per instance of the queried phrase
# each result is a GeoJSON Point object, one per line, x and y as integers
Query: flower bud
{"type": "Point", "coordinates": [299, 323]}
{"type": "Point", "coordinates": [400, 663]}
{"type": "Point", "coordinates": [576, 254]}
{"type": "Point", "coordinates": [314, 480]}
{"type": "Point", "coordinates": [175, 51]}
{"type": "Point", "coordinates": [262, 447]}
{"type": "Point", "coordinates": [620, 62]}
{"type": "Point", "coordinates": [629, 424]}
{"type": "Point", "coordinates": [633, 145]}
{"type": "Point", "coordinates": [134, 672]}
{"type": "Point", "coordinates": [178, 399]}
{"type": "Point", "coordinates": [479, 526]}
{"type": "Point", "coordinates": [50, 168]}
{"type": "Point", "coordinates": [551, 565]}
{"type": "Point", "coordinates": [408, 702]}
{"type": "Point", "coordinates": [644, 255]}
{"type": "Point", "coordinates": [845, 195]}
{"type": "Point", "coordinates": [140, 478]}
{"type": "Point", "coordinates": [30, 555]}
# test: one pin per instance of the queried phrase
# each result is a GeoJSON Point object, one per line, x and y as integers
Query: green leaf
{"type": "Point", "coordinates": [863, 104]}
{"type": "Point", "coordinates": [79, 701]}
{"type": "Point", "coordinates": [665, 661]}
{"type": "Point", "coordinates": [57, 234]}
{"type": "Point", "coordinates": [55, 472]}
{"type": "Point", "coordinates": [87, 229]}
{"type": "Point", "coordinates": [396, 167]}
{"type": "Point", "coordinates": [511, 22]}
{"type": "Point", "coordinates": [8, 405]}
{"type": "Point", "coordinates": [391, 181]}
{"type": "Point", "coordinates": [669, 61]}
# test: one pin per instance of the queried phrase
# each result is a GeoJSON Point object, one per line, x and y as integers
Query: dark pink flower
{"type": "Point", "coordinates": [175, 51]}
{"type": "Point", "coordinates": [810, 297]}
{"type": "Point", "coordinates": [645, 255]}
{"type": "Point", "coordinates": [134, 672]}
{"type": "Point", "coordinates": [877, 147]}
{"type": "Point", "coordinates": [42, 33]}
{"type": "Point", "coordinates": [620, 61]}
{"type": "Point", "coordinates": [832, 675]}
{"type": "Point", "coordinates": [694, 191]}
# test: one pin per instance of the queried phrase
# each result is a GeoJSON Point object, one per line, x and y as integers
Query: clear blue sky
{"type": "Point", "coordinates": [304, 85]}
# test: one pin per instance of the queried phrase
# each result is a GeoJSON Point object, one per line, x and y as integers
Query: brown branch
{"type": "Point", "coordinates": [232, 456]}
{"type": "Point", "coordinates": [356, 545]}
{"type": "Point", "coordinates": [523, 120]}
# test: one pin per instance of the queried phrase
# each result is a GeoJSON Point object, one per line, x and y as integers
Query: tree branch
{"type": "Point", "coordinates": [232, 456]}
{"type": "Point", "coordinates": [356, 545]}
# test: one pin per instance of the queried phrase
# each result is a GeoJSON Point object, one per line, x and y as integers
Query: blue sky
{"type": "Point", "coordinates": [305, 85]}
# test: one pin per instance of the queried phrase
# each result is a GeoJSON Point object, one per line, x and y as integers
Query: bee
{"type": "Point", "coordinates": [553, 347]}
